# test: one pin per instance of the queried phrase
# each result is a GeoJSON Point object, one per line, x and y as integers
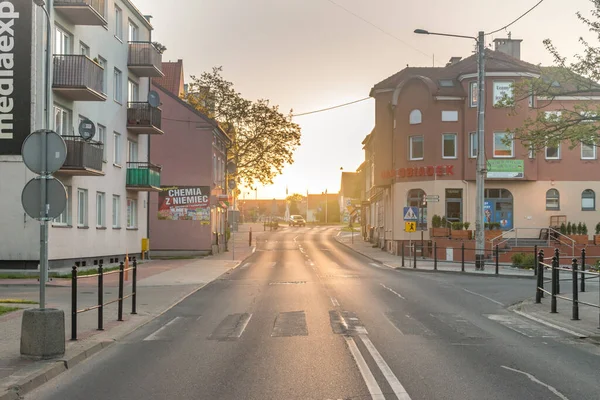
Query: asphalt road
{"type": "Point", "coordinates": [307, 318]}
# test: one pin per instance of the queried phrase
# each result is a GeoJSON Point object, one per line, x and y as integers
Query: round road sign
{"type": "Point", "coordinates": [56, 198]}
{"type": "Point", "coordinates": [32, 151]}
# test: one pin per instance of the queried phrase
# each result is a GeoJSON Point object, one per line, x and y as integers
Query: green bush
{"type": "Point", "coordinates": [457, 226]}
{"type": "Point", "coordinates": [563, 228]}
{"type": "Point", "coordinates": [598, 228]}
{"type": "Point", "coordinates": [436, 221]}
{"type": "Point", "coordinates": [466, 225]}
{"type": "Point", "coordinates": [444, 222]}
{"type": "Point", "coordinates": [569, 228]}
{"type": "Point", "coordinates": [523, 260]}
{"type": "Point", "coordinates": [584, 230]}
{"type": "Point", "coordinates": [579, 229]}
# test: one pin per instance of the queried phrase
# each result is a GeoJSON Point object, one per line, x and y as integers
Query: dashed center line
{"type": "Point", "coordinates": [485, 297]}
{"type": "Point", "coordinates": [393, 291]}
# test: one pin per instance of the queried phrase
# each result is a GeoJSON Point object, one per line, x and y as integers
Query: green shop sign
{"type": "Point", "coordinates": [505, 169]}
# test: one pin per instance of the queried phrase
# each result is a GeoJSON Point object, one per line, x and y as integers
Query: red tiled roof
{"type": "Point", "coordinates": [173, 79]}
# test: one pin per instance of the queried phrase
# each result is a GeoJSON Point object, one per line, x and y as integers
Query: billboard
{"type": "Point", "coordinates": [505, 169]}
{"type": "Point", "coordinates": [184, 203]}
{"type": "Point", "coordinates": [15, 74]}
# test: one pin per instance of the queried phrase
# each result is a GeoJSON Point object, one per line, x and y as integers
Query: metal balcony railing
{"type": "Point", "coordinates": [143, 118]}
{"type": "Point", "coordinates": [78, 77]}
{"type": "Point", "coordinates": [143, 175]}
{"type": "Point", "coordinates": [83, 158]}
{"type": "Point", "coordinates": [144, 59]}
{"type": "Point", "coordinates": [83, 12]}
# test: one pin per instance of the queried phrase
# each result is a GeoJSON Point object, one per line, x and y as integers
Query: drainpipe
{"type": "Point", "coordinates": [149, 139]}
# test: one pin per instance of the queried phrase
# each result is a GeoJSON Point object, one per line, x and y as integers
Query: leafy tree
{"type": "Point", "coordinates": [554, 122]}
{"type": "Point", "coordinates": [295, 200]}
{"type": "Point", "coordinates": [264, 139]}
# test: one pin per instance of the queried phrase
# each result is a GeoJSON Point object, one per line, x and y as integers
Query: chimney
{"type": "Point", "coordinates": [453, 60]}
{"type": "Point", "coordinates": [509, 46]}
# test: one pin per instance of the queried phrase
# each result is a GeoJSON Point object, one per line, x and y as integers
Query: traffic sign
{"type": "Point", "coordinates": [56, 199]}
{"type": "Point", "coordinates": [411, 214]}
{"type": "Point", "coordinates": [32, 151]}
{"type": "Point", "coordinates": [410, 226]}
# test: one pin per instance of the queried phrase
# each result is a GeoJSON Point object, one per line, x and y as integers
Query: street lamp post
{"type": "Point", "coordinates": [481, 168]}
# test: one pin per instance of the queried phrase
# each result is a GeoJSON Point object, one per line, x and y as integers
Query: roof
{"type": "Point", "coordinates": [143, 18]}
{"type": "Point", "coordinates": [200, 114]}
{"type": "Point", "coordinates": [495, 61]}
{"type": "Point", "coordinates": [173, 79]}
{"type": "Point", "coordinates": [350, 186]}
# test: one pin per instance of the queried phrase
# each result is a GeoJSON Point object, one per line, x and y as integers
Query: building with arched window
{"type": "Point", "coordinates": [422, 151]}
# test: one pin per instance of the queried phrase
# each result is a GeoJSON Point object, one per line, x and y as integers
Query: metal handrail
{"type": "Point", "coordinates": [516, 232]}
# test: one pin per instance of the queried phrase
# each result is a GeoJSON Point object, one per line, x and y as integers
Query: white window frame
{"type": "Point", "coordinates": [594, 151]}
{"type": "Point", "coordinates": [450, 116]}
{"type": "Point", "coordinates": [118, 23]}
{"type": "Point", "coordinates": [100, 210]}
{"type": "Point", "coordinates": [498, 82]}
{"type": "Point", "coordinates": [82, 208]}
{"type": "Point", "coordinates": [64, 219]}
{"type": "Point", "coordinates": [62, 41]}
{"type": "Point", "coordinates": [473, 93]}
{"type": "Point", "coordinates": [104, 64]}
{"type": "Point", "coordinates": [415, 117]}
{"type": "Point", "coordinates": [65, 118]}
{"type": "Point", "coordinates": [118, 85]}
{"type": "Point", "coordinates": [131, 213]}
{"type": "Point", "coordinates": [557, 157]}
{"type": "Point", "coordinates": [455, 136]}
{"type": "Point", "coordinates": [132, 151]}
{"type": "Point", "coordinates": [84, 49]}
{"type": "Point", "coordinates": [117, 149]}
{"type": "Point", "coordinates": [102, 139]}
{"type": "Point", "coordinates": [593, 199]}
{"type": "Point", "coordinates": [410, 148]}
{"type": "Point", "coordinates": [552, 208]}
{"type": "Point", "coordinates": [133, 32]}
{"type": "Point", "coordinates": [472, 144]}
{"type": "Point", "coordinates": [133, 91]}
{"type": "Point", "coordinates": [512, 146]}
{"type": "Point", "coordinates": [116, 211]}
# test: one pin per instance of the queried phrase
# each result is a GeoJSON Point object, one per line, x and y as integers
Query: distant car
{"type": "Point", "coordinates": [297, 220]}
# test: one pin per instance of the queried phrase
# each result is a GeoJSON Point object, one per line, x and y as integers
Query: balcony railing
{"type": "Point", "coordinates": [143, 176]}
{"type": "Point", "coordinates": [145, 59]}
{"type": "Point", "coordinates": [78, 78]}
{"type": "Point", "coordinates": [143, 118]}
{"type": "Point", "coordinates": [82, 12]}
{"type": "Point", "coordinates": [83, 158]}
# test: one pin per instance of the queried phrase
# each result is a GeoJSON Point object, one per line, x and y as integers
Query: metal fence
{"type": "Point", "coordinates": [143, 114]}
{"type": "Point", "coordinates": [77, 71]}
{"type": "Point", "coordinates": [144, 54]}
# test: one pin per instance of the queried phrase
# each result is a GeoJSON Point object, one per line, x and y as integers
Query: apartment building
{"type": "Point", "coordinates": [424, 143]}
{"type": "Point", "coordinates": [102, 62]}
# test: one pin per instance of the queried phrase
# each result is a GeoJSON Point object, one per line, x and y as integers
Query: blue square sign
{"type": "Point", "coordinates": [411, 214]}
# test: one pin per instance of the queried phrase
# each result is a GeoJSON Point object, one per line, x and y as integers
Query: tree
{"type": "Point", "coordinates": [263, 138]}
{"type": "Point", "coordinates": [573, 124]}
{"type": "Point", "coordinates": [294, 200]}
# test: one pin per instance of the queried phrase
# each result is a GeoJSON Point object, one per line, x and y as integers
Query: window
{"type": "Point", "coordinates": [215, 168]}
{"type": "Point", "coordinates": [415, 117]}
{"type": "Point", "coordinates": [116, 148]}
{"type": "Point", "coordinates": [62, 41]}
{"type": "Point", "coordinates": [416, 147]}
{"type": "Point", "coordinates": [116, 211]}
{"type": "Point", "coordinates": [84, 49]}
{"type": "Point", "coordinates": [61, 120]}
{"type": "Point", "coordinates": [588, 150]}
{"type": "Point", "coordinates": [132, 32]}
{"type": "Point", "coordinates": [131, 213]}
{"type": "Point", "coordinates": [552, 200]}
{"type": "Point", "coordinates": [102, 139]}
{"type": "Point", "coordinates": [449, 116]}
{"type": "Point", "coordinates": [100, 210]}
{"type": "Point", "coordinates": [531, 99]}
{"type": "Point", "coordinates": [553, 152]}
{"type": "Point", "coordinates": [415, 198]}
{"type": "Point", "coordinates": [103, 64]}
{"type": "Point", "coordinates": [473, 94]}
{"type": "Point", "coordinates": [133, 91]}
{"type": "Point", "coordinates": [132, 151]}
{"type": "Point", "coordinates": [446, 82]}
{"type": "Point", "coordinates": [501, 148]}
{"type": "Point", "coordinates": [588, 200]}
{"type": "Point", "coordinates": [118, 23]}
{"type": "Point", "coordinates": [473, 144]}
{"type": "Point", "coordinates": [65, 217]}
{"type": "Point", "coordinates": [82, 204]}
{"type": "Point", "coordinates": [449, 145]}
{"type": "Point", "coordinates": [502, 89]}
{"type": "Point", "coordinates": [118, 86]}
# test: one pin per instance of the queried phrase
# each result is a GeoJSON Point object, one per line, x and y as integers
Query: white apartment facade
{"type": "Point", "coordinates": [102, 61]}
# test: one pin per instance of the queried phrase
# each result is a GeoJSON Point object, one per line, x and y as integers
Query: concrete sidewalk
{"type": "Point", "coordinates": [161, 285]}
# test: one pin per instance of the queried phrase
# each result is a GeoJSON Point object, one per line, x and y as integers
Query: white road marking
{"type": "Point", "coordinates": [485, 297]}
{"type": "Point", "coordinates": [541, 321]}
{"type": "Point", "coordinates": [393, 291]}
{"type": "Point", "coordinates": [536, 380]}
{"type": "Point", "coordinates": [397, 387]}
{"type": "Point", "coordinates": [157, 334]}
{"type": "Point", "coordinates": [334, 302]}
{"type": "Point", "coordinates": [374, 389]}
{"type": "Point", "coordinates": [376, 265]}
{"type": "Point", "coordinates": [245, 265]}
{"type": "Point", "coordinates": [244, 325]}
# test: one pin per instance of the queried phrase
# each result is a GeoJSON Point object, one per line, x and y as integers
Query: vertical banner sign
{"type": "Point", "coordinates": [15, 74]}
{"type": "Point", "coordinates": [179, 203]}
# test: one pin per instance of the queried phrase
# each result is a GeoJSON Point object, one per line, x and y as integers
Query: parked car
{"type": "Point", "coordinates": [297, 220]}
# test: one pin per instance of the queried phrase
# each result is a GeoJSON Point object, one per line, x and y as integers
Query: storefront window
{"type": "Point", "coordinates": [498, 207]}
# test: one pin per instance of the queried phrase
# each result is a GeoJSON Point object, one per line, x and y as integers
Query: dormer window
{"type": "Point", "coordinates": [446, 82]}
{"type": "Point", "coordinates": [415, 117]}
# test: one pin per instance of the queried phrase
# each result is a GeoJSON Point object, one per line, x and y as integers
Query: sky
{"type": "Point", "coordinates": [307, 55]}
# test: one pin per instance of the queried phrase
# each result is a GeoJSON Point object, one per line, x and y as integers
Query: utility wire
{"type": "Point", "coordinates": [379, 29]}
{"type": "Point", "coordinates": [521, 16]}
{"type": "Point", "coordinates": [331, 108]}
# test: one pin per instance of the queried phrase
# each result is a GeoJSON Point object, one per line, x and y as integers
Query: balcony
{"type": "Point", "coordinates": [142, 118]}
{"type": "Point", "coordinates": [82, 12]}
{"type": "Point", "coordinates": [143, 177]}
{"type": "Point", "coordinates": [78, 78]}
{"type": "Point", "coordinates": [83, 158]}
{"type": "Point", "coordinates": [145, 60]}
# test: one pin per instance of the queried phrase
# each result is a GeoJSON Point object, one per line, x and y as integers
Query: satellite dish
{"type": "Point", "coordinates": [87, 129]}
{"type": "Point", "coordinates": [153, 99]}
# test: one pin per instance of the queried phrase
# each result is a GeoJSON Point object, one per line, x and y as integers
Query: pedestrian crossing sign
{"type": "Point", "coordinates": [410, 226]}
{"type": "Point", "coordinates": [411, 213]}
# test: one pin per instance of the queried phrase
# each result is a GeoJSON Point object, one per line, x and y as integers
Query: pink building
{"type": "Point", "coordinates": [189, 215]}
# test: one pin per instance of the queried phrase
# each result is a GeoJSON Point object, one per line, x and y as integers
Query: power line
{"type": "Point", "coordinates": [331, 108]}
{"type": "Point", "coordinates": [521, 16]}
{"type": "Point", "coordinates": [379, 29]}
